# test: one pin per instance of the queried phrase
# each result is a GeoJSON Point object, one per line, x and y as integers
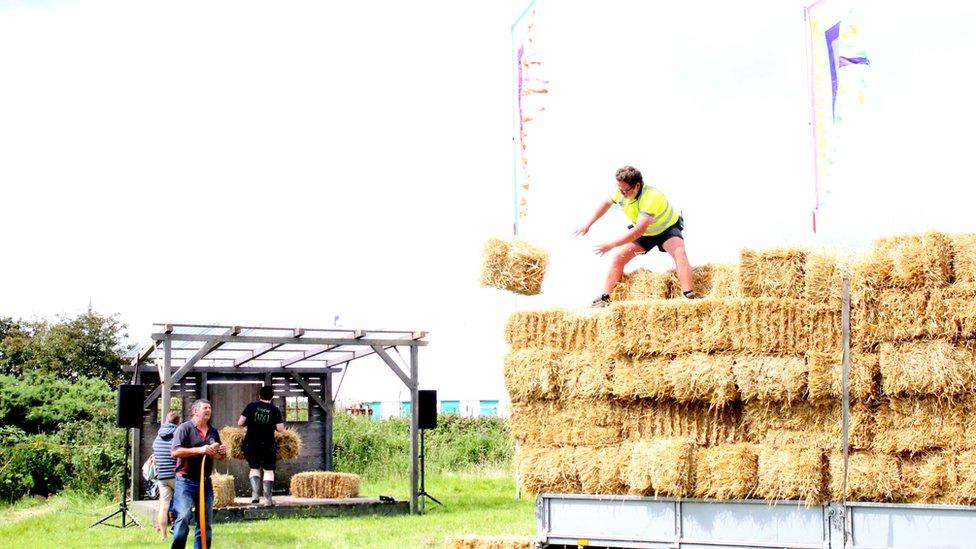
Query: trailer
{"type": "Point", "coordinates": [583, 520]}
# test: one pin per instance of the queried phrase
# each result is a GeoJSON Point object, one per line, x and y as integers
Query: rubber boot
{"type": "Point", "coordinates": [255, 489]}
{"type": "Point", "coordinates": [267, 492]}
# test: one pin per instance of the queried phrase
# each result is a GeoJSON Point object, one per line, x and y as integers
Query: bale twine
{"type": "Point", "coordinates": [223, 489]}
{"type": "Point", "coordinates": [324, 484]}
{"type": "Point", "coordinates": [289, 442]}
{"type": "Point", "coordinates": [514, 265]}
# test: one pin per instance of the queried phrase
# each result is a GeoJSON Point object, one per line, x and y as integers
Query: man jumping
{"type": "Point", "coordinates": [654, 223]}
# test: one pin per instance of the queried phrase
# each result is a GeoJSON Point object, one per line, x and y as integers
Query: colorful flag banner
{"type": "Point", "coordinates": [530, 91]}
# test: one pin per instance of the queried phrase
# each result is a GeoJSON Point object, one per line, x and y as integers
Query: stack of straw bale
{"type": "Point", "coordinates": [738, 395]}
{"type": "Point", "coordinates": [514, 265]}
{"type": "Point", "coordinates": [324, 484]}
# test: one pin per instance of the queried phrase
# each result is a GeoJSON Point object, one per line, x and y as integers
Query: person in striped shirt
{"type": "Point", "coordinates": [165, 469]}
{"type": "Point", "coordinates": [654, 223]}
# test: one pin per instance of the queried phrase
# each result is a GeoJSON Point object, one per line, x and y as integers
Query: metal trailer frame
{"type": "Point", "coordinates": [228, 351]}
{"type": "Point", "coordinates": [674, 523]}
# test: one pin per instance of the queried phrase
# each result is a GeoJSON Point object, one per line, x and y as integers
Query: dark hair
{"type": "Point", "coordinates": [629, 175]}
{"type": "Point", "coordinates": [266, 392]}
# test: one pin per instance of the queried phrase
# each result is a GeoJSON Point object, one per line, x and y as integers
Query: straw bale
{"type": "Point", "coordinates": [648, 328]}
{"type": "Point", "coordinates": [289, 444]}
{"type": "Point", "coordinates": [870, 477]}
{"type": "Point", "coordinates": [898, 315]}
{"type": "Point", "coordinates": [514, 265]}
{"type": "Point", "coordinates": [576, 422]}
{"type": "Point", "coordinates": [930, 478]}
{"type": "Point", "coordinates": [532, 374]}
{"type": "Point", "coordinates": [771, 378]}
{"type": "Point", "coordinates": [819, 424]}
{"type": "Point", "coordinates": [719, 280]}
{"type": "Point", "coordinates": [697, 422]}
{"type": "Point", "coordinates": [825, 376]}
{"type": "Point", "coordinates": [547, 469]}
{"type": "Point", "coordinates": [489, 542]}
{"type": "Point", "coordinates": [768, 325]}
{"type": "Point", "coordinates": [823, 278]}
{"type": "Point", "coordinates": [908, 262]}
{"type": "Point", "coordinates": [963, 257]}
{"type": "Point", "coordinates": [223, 490]}
{"type": "Point", "coordinates": [600, 469]}
{"type": "Point", "coordinates": [661, 467]}
{"type": "Point", "coordinates": [776, 273]}
{"type": "Point", "coordinates": [233, 438]}
{"type": "Point", "coordinates": [703, 377]}
{"type": "Point", "coordinates": [913, 425]}
{"type": "Point", "coordinates": [792, 472]}
{"type": "Point", "coordinates": [966, 467]}
{"type": "Point", "coordinates": [958, 304]}
{"type": "Point", "coordinates": [554, 328]}
{"type": "Point", "coordinates": [324, 484]}
{"type": "Point", "coordinates": [635, 378]}
{"type": "Point", "coordinates": [932, 367]}
{"type": "Point", "coordinates": [585, 375]}
{"type": "Point", "coordinates": [727, 471]}
{"type": "Point", "coordinates": [824, 324]}
{"type": "Point", "coordinates": [643, 284]}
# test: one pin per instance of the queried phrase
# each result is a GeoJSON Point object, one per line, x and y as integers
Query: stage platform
{"type": "Point", "coordinates": [289, 507]}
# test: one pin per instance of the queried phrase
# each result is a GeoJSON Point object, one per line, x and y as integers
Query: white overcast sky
{"type": "Point", "coordinates": [280, 163]}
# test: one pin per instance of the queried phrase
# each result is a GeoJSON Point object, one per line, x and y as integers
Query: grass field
{"type": "Point", "coordinates": [478, 502]}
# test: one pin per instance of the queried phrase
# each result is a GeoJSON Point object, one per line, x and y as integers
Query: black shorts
{"type": "Point", "coordinates": [658, 240]}
{"type": "Point", "coordinates": [261, 456]}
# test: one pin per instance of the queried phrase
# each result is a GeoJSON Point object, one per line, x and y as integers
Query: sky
{"type": "Point", "coordinates": [284, 163]}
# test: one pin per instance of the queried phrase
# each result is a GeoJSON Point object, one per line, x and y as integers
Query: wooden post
{"type": "Point", "coordinates": [201, 389]}
{"type": "Point", "coordinates": [136, 455]}
{"type": "Point", "coordinates": [414, 429]}
{"type": "Point", "coordinates": [164, 379]}
{"type": "Point", "coordinates": [327, 418]}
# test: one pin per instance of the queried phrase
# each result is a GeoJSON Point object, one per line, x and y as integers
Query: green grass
{"type": "Point", "coordinates": [476, 502]}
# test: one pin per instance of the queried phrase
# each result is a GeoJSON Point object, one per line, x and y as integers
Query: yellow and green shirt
{"type": "Point", "coordinates": [649, 201]}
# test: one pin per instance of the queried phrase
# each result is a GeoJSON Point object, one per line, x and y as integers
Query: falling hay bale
{"type": "Point", "coordinates": [870, 477]}
{"type": "Point", "coordinates": [223, 490]}
{"type": "Point", "coordinates": [916, 425]}
{"type": "Point", "coordinates": [489, 542]}
{"type": "Point", "coordinates": [697, 422]}
{"type": "Point", "coordinates": [919, 368]}
{"type": "Point", "coordinates": [825, 376]}
{"type": "Point", "coordinates": [600, 469]}
{"type": "Point", "coordinates": [514, 265]}
{"type": "Point", "coordinates": [703, 377]}
{"type": "Point", "coordinates": [643, 284]}
{"type": "Point", "coordinates": [794, 472]}
{"type": "Point", "coordinates": [635, 378]}
{"type": "Point", "coordinates": [289, 443]}
{"type": "Point", "coordinates": [661, 467]}
{"type": "Point", "coordinates": [553, 328]}
{"type": "Point", "coordinates": [771, 378]}
{"type": "Point", "coordinates": [547, 469]}
{"type": "Point", "coordinates": [585, 375]}
{"type": "Point", "coordinates": [727, 471]}
{"type": "Point", "coordinates": [531, 374]}
{"type": "Point", "coordinates": [324, 485]}
{"type": "Point", "coordinates": [772, 273]}
{"type": "Point", "coordinates": [930, 478]}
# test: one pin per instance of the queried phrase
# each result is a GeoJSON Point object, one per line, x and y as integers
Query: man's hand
{"type": "Point", "coordinates": [603, 248]}
{"type": "Point", "coordinates": [221, 452]}
{"type": "Point", "coordinates": [582, 231]}
{"type": "Point", "coordinates": [210, 449]}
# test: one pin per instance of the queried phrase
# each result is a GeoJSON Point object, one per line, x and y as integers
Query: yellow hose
{"type": "Point", "coordinates": [202, 506]}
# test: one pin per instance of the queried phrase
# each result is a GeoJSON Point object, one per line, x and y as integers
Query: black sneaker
{"type": "Point", "coordinates": [690, 294]}
{"type": "Point", "coordinates": [600, 302]}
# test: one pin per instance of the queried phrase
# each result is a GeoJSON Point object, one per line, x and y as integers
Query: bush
{"type": "Point", "coordinates": [379, 449]}
{"type": "Point", "coordinates": [34, 466]}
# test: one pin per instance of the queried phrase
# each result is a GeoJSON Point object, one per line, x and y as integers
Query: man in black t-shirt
{"type": "Point", "coordinates": [262, 419]}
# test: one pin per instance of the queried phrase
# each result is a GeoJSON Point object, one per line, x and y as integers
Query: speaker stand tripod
{"type": "Point", "coordinates": [128, 519]}
{"type": "Point", "coordinates": [423, 493]}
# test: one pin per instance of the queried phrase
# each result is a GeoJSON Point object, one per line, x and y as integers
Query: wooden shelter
{"type": "Point", "coordinates": [227, 365]}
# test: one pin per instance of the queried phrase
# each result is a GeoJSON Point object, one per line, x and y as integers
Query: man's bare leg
{"type": "Point", "coordinates": [620, 260]}
{"type": "Point", "coordinates": [676, 247]}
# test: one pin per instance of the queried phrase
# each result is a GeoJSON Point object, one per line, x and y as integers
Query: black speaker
{"type": "Point", "coordinates": [128, 407]}
{"type": "Point", "coordinates": [427, 408]}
